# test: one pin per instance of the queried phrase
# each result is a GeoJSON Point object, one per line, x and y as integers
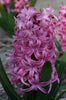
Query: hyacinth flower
{"type": "Point", "coordinates": [33, 46]}
{"type": "Point", "coordinates": [62, 27]}
{"type": "Point", "coordinates": [6, 3]}
{"type": "Point", "coordinates": [18, 4]}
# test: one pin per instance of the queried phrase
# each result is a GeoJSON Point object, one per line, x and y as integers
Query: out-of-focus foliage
{"type": "Point", "coordinates": [7, 85]}
{"type": "Point", "coordinates": [32, 2]}
{"type": "Point", "coordinates": [7, 17]}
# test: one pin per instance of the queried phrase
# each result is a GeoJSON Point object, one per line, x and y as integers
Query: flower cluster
{"type": "Point", "coordinates": [62, 27]}
{"type": "Point", "coordinates": [6, 3]}
{"type": "Point", "coordinates": [19, 4]}
{"type": "Point", "coordinates": [33, 46]}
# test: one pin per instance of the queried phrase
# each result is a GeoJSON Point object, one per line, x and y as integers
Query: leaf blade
{"type": "Point", "coordinates": [7, 85]}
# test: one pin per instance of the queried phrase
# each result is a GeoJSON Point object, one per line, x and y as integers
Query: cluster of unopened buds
{"type": "Point", "coordinates": [62, 27]}
{"type": "Point", "coordinates": [34, 45]}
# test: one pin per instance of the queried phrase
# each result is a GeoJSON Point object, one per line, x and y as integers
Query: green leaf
{"type": "Point", "coordinates": [45, 76]}
{"type": "Point", "coordinates": [3, 18]}
{"type": "Point", "coordinates": [12, 4]}
{"type": "Point", "coordinates": [30, 95]}
{"type": "Point", "coordinates": [7, 21]}
{"type": "Point", "coordinates": [7, 85]}
{"type": "Point", "coordinates": [46, 72]}
{"type": "Point", "coordinates": [60, 66]}
{"type": "Point", "coordinates": [61, 73]}
{"type": "Point", "coordinates": [62, 88]}
{"type": "Point", "coordinates": [57, 45]}
{"type": "Point", "coordinates": [63, 58]}
{"type": "Point", "coordinates": [40, 96]}
{"type": "Point", "coordinates": [11, 24]}
{"type": "Point", "coordinates": [32, 2]}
